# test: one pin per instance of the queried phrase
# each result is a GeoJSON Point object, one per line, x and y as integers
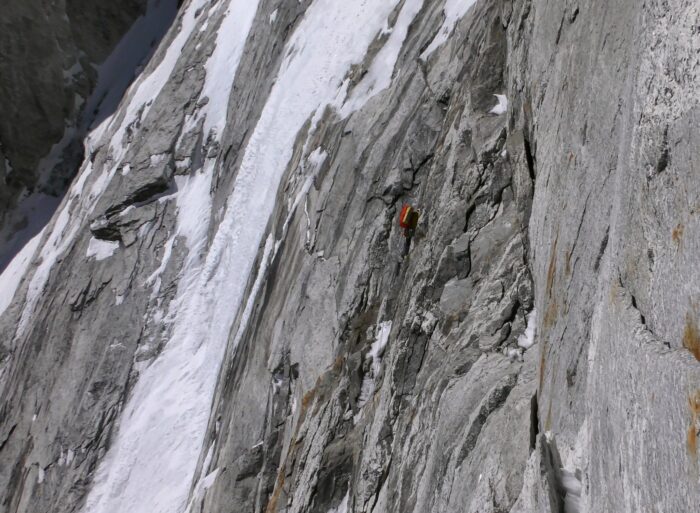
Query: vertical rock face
{"type": "Point", "coordinates": [224, 312]}
{"type": "Point", "coordinates": [348, 423]}
{"type": "Point", "coordinates": [614, 235]}
{"type": "Point", "coordinates": [54, 56]}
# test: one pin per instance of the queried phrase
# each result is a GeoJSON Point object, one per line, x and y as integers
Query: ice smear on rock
{"type": "Point", "coordinates": [152, 460]}
{"type": "Point", "coordinates": [204, 482]}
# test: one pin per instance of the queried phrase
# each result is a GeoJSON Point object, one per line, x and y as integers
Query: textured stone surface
{"type": "Point", "coordinates": [613, 219]}
{"type": "Point", "coordinates": [580, 202]}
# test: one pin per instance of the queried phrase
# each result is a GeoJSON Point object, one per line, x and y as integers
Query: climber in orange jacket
{"type": "Point", "coordinates": [408, 221]}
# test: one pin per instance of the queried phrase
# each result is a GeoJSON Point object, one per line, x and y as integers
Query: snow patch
{"type": "Point", "coordinates": [8, 167]}
{"type": "Point", "coordinates": [70, 73]}
{"type": "Point", "coordinates": [513, 354]}
{"type": "Point", "coordinates": [377, 349]}
{"type": "Point", "coordinates": [527, 339]}
{"type": "Point", "coordinates": [502, 106]}
{"type": "Point", "coordinates": [454, 11]}
{"type": "Point", "coordinates": [101, 249]}
{"type": "Point", "coordinates": [127, 211]}
{"type": "Point", "coordinates": [193, 206]}
{"type": "Point", "coordinates": [273, 16]}
{"type": "Point", "coordinates": [183, 164]}
{"type": "Point", "coordinates": [429, 322]}
{"type": "Point", "coordinates": [382, 332]}
{"type": "Point", "coordinates": [318, 158]}
{"type": "Point", "coordinates": [158, 159]}
{"type": "Point", "coordinates": [40, 476]}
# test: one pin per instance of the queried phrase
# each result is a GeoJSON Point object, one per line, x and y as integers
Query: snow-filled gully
{"type": "Point", "coordinates": [152, 459]}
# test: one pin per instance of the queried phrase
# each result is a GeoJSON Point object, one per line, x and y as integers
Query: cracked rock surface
{"type": "Point", "coordinates": [362, 373]}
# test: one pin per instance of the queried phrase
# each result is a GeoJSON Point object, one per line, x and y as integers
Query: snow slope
{"type": "Point", "coordinates": [13, 273]}
{"type": "Point", "coordinates": [152, 461]}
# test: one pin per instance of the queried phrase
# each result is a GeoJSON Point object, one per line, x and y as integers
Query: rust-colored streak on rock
{"type": "Point", "coordinates": [677, 234]}
{"type": "Point", "coordinates": [552, 270]}
{"type": "Point", "coordinates": [694, 404]}
{"type": "Point", "coordinates": [691, 336]}
{"type": "Point", "coordinates": [543, 362]}
{"type": "Point", "coordinates": [551, 314]}
{"type": "Point", "coordinates": [272, 505]}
